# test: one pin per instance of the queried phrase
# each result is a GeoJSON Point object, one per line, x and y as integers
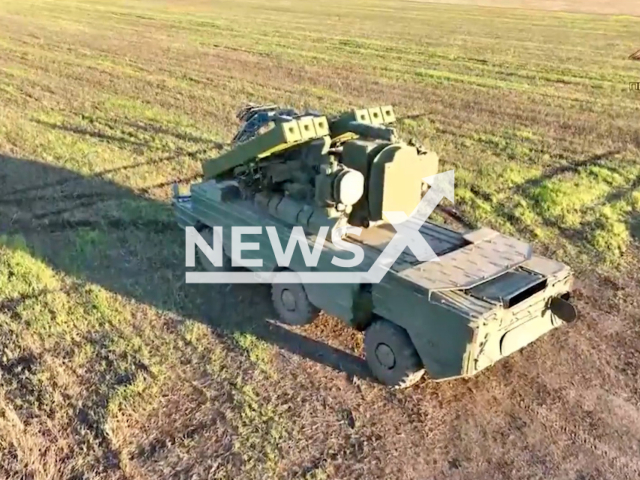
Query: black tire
{"type": "Point", "coordinates": [292, 304]}
{"type": "Point", "coordinates": [207, 234]}
{"type": "Point", "coordinates": [391, 355]}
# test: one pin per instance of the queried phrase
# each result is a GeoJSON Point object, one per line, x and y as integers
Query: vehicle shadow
{"type": "Point", "coordinates": [99, 231]}
{"type": "Point", "coordinates": [634, 226]}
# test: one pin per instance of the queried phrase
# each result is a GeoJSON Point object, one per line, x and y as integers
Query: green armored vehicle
{"type": "Point", "coordinates": [303, 176]}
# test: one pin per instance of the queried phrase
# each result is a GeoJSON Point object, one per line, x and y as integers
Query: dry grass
{"type": "Point", "coordinates": [111, 367]}
{"type": "Point", "coordinates": [618, 7]}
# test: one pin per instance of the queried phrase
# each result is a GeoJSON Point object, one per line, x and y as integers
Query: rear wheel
{"type": "Point", "coordinates": [292, 304]}
{"type": "Point", "coordinates": [391, 355]}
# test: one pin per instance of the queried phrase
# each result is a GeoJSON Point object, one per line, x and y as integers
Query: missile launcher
{"type": "Point", "coordinates": [486, 297]}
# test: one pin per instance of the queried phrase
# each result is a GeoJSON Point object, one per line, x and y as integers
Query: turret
{"type": "Point", "coordinates": [312, 170]}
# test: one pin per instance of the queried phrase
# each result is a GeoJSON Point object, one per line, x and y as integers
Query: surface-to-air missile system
{"type": "Point", "coordinates": [486, 297]}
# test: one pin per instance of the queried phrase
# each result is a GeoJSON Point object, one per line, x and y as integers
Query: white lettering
{"type": "Point", "coordinates": [237, 246]}
{"type": "Point", "coordinates": [358, 252]}
{"type": "Point", "coordinates": [297, 236]}
{"type": "Point", "coordinates": [212, 251]}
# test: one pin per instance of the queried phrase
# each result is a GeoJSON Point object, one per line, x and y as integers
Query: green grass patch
{"type": "Point", "coordinates": [22, 275]}
{"type": "Point", "coordinates": [259, 351]}
{"type": "Point", "coordinates": [261, 429]}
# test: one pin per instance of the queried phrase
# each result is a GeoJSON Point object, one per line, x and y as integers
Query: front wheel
{"type": "Point", "coordinates": [391, 355]}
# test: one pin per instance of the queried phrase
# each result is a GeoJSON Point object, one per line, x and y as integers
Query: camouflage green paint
{"type": "Point", "coordinates": [486, 298]}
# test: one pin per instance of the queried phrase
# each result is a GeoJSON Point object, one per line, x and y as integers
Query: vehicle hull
{"type": "Point", "coordinates": [456, 331]}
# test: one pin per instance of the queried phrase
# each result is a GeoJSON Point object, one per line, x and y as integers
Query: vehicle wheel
{"type": "Point", "coordinates": [391, 355]}
{"type": "Point", "coordinates": [207, 234]}
{"type": "Point", "coordinates": [292, 304]}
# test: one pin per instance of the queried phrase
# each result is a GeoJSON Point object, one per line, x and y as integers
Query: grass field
{"type": "Point", "coordinates": [618, 7]}
{"type": "Point", "coordinates": [112, 368]}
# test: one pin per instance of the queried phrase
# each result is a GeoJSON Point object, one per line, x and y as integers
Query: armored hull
{"type": "Point", "coordinates": [482, 301]}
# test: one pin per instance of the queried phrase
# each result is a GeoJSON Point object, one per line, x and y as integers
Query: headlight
{"type": "Point", "coordinates": [563, 309]}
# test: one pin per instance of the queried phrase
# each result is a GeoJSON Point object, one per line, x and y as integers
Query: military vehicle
{"type": "Point", "coordinates": [486, 297]}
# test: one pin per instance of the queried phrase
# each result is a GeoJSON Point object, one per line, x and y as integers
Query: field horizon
{"type": "Point", "coordinates": [113, 368]}
{"type": "Point", "coordinates": [604, 7]}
